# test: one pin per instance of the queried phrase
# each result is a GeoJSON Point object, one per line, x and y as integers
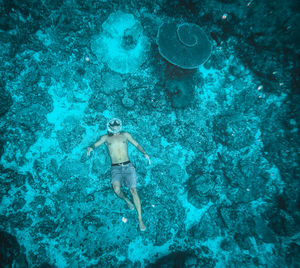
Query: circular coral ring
{"type": "Point", "coordinates": [185, 45]}
{"type": "Point", "coordinates": [186, 36]}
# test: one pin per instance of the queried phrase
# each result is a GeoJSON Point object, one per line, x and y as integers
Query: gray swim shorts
{"type": "Point", "coordinates": [124, 174]}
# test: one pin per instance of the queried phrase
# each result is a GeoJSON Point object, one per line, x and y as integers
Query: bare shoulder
{"type": "Point", "coordinates": [101, 140]}
{"type": "Point", "coordinates": [126, 134]}
{"type": "Point", "coordinates": [104, 137]}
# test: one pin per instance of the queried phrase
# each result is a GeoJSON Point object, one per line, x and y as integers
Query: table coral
{"type": "Point", "coordinates": [121, 45]}
{"type": "Point", "coordinates": [184, 45]}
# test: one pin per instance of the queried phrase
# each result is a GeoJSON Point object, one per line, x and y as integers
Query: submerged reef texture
{"type": "Point", "coordinates": [219, 124]}
{"type": "Point", "coordinates": [121, 43]}
{"type": "Point", "coordinates": [184, 45]}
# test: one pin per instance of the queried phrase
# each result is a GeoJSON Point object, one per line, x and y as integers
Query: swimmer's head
{"type": "Point", "coordinates": [114, 126]}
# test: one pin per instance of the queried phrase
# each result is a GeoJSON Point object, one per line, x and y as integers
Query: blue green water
{"type": "Point", "coordinates": [215, 106]}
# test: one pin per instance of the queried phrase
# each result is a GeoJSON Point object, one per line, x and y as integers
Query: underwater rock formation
{"type": "Point", "coordinates": [5, 102]}
{"type": "Point", "coordinates": [184, 259]}
{"type": "Point", "coordinates": [71, 134]}
{"type": "Point", "coordinates": [11, 252]}
{"type": "Point", "coordinates": [127, 102]}
{"type": "Point", "coordinates": [181, 92]}
{"type": "Point", "coordinates": [111, 83]}
{"type": "Point", "coordinates": [184, 45]}
{"type": "Point", "coordinates": [121, 45]}
{"type": "Point", "coordinates": [223, 137]}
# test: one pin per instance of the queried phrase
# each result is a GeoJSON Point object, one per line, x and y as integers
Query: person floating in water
{"type": "Point", "coordinates": [122, 170]}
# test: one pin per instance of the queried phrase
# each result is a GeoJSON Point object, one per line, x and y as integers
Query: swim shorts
{"type": "Point", "coordinates": [124, 174]}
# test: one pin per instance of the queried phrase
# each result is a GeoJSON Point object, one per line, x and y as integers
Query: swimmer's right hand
{"type": "Point", "coordinates": [89, 151]}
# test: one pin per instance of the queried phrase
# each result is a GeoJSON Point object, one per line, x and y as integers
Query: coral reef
{"type": "Point", "coordinates": [70, 135]}
{"type": "Point", "coordinates": [184, 45]}
{"type": "Point", "coordinates": [223, 138]}
{"type": "Point", "coordinates": [11, 252]}
{"type": "Point", "coordinates": [121, 44]}
{"type": "Point", "coordinates": [5, 102]}
{"type": "Point", "coordinates": [181, 92]}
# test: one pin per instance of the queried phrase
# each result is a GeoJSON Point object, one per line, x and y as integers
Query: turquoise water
{"type": "Point", "coordinates": [215, 106]}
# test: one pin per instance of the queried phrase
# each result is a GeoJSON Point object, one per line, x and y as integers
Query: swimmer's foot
{"type": "Point", "coordinates": [130, 205]}
{"type": "Point", "coordinates": [141, 225]}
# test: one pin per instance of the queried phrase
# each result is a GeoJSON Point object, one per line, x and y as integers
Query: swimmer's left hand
{"type": "Point", "coordinates": [147, 156]}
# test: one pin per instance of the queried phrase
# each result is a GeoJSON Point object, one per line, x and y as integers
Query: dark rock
{"type": "Point", "coordinates": [5, 37]}
{"type": "Point", "coordinates": [281, 222]}
{"type": "Point", "coordinates": [181, 92]}
{"type": "Point", "coordinates": [7, 22]}
{"type": "Point", "coordinates": [228, 244]}
{"type": "Point", "coordinates": [244, 260]}
{"type": "Point", "coordinates": [200, 189]}
{"type": "Point", "coordinates": [181, 8]}
{"type": "Point", "coordinates": [20, 220]}
{"type": "Point", "coordinates": [9, 248]}
{"type": "Point", "coordinates": [239, 137]}
{"type": "Point", "coordinates": [292, 255]}
{"type": "Point", "coordinates": [5, 102]}
{"type": "Point", "coordinates": [243, 241]}
{"type": "Point", "coordinates": [207, 228]}
{"type": "Point", "coordinates": [21, 261]}
{"type": "Point", "coordinates": [280, 200]}
{"type": "Point", "coordinates": [39, 200]}
{"type": "Point", "coordinates": [183, 259]}
{"type": "Point", "coordinates": [175, 259]}
{"type": "Point", "coordinates": [164, 234]}
{"type": "Point", "coordinates": [196, 167]}
{"type": "Point", "coordinates": [10, 178]}
{"type": "Point", "coordinates": [2, 143]}
{"type": "Point", "coordinates": [98, 102]}
{"type": "Point", "coordinates": [46, 227]}
{"type": "Point", "coordinates": [18, 203]}
{"type": "Point", "coordinates": [53, 166]}
{"type": "Point", "coordinates": [227, 1]}
{"type": "Point", "coordinates": [46, 265]}
{"type": "Point", "coordinates": [90, 220]}
{"type": "Point", "coordinates": [263, 231]}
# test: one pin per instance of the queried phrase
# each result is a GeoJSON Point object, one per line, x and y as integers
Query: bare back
{"type": "Point", "coordinates": [117, 146]}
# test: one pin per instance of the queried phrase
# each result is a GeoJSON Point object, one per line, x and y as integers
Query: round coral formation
{"type": "Point", "coordinates": [184, 45]}
{"type": "Point", "coordinates": [121, 45]}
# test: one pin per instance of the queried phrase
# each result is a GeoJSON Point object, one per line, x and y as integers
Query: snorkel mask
{"type": "Point", "coordinates": [114, 126]}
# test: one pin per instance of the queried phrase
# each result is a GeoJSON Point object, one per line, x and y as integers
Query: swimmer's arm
{"type": "Point", "coordinates": [99, 142]}
{"type": "Point", "coordinates": [135, 143]}
{"type": "Point", "coordinates": [95, 145]}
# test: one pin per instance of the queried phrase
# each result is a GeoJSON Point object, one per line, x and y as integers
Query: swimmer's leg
{"type": "Point", "coordinates": [119, 193]}
{"type": "Point", "coordinates": [137, 203]}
